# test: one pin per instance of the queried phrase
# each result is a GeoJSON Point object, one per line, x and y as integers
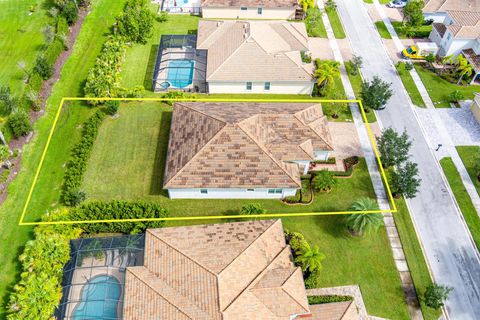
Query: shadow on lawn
{"type": "Point", "coordinates": [160, 156]}
{"type": "Point", "coordinates": [152, 57]}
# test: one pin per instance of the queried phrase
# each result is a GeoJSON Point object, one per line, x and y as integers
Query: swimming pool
{"type": "Point", "coordinates": [179, 3]}
{"type": "Point", "coordinates": [99, 299]}
{"type": "Point", "coordinates": [180, 73]}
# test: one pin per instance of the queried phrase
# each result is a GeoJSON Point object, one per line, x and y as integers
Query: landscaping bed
{"type": "Point", "coordinates": [414, 32]}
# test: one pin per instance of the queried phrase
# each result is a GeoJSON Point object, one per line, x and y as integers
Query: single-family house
{"type": "Point", "coordinates": [243, 150]}
{"type": "Point", "coordinates": [436, 10]}
{"type": "Point", "coordinates": [255, 56]}
{"type": "Point", "coordinates": [229, 271]}
{"type": "Point", "coordinates": [475, 107]}
{"type": "Point", "coordinates": [459, 31]}
{"type": "Point", "coordinates": [250, 9]}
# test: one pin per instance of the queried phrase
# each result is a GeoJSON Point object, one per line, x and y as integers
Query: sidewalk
{"type": "Point", "coordinates": [437, 134]}
{"type": "Point", "coordinates": [392, 233]}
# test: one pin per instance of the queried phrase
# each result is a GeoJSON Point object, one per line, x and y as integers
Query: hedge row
{"type": "Point", "coordinates": [77, 164]}
{"type": "Point", "coordinates": [39, 290]}
{"type": "Point", "coordinates": [118, 209]}
{"type": "Point", "coordinates": [328, 299]}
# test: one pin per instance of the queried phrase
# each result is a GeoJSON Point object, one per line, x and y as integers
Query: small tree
{"type": "Point", "coordinates": [8, 102]}
{"type": "Point", "coordinates": [464, 68]}
{"type": "Point", "coordinates": [252, 208]}
{"type": "Point", "coordinates": [393, 147]}
{"type": "Point", "coordinates": [337, 106]}
{"type": "Point", "coordinates": [405, 181]}
{"type": "Point", "coordinates": [324, 181]}
{"type": "Point", "coordinates": [19, 123]}
{"type": "Point", "coordinates": [326, 73]}
{"type": "Point", "coordinates": [135, 23]}
{"type": "Point", "coordinates": [310, 259]}
{"type": "Point", "coordinates": [356, 64]}
{"type": "Point", "coordinates": [43, 67]}
{"type": "Point", "coordinates": [455, 96]}
{"type": "Point", "coordinates": [111, 107]}
{"type": "Point", "coordinates": [435, 295]}
{"type": "Point", "coordinates": [376, 93]}
{"type": "Point", "coordinates": [362, 223]}
{"type": "Point", "coordinates": [412, 13]}
{"type": "Point", "coordinates": [430, 58]}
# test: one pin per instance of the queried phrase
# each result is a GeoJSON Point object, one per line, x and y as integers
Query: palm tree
{"type": "Point", "coordinates": [310, 259]}
{"type": "Point", "coordinates": [361, 223]}
{"type": "Point", "coordinates": [326, 73]}
{"type": "Point", "coordinates": [463, 67]}
{"type": "Point", "coordinates": [444, 61]}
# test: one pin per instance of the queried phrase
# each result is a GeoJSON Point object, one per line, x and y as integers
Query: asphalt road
{"type": "Point", "coordinates": [453, 258]}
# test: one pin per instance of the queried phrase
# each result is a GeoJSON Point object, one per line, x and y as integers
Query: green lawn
{"type": "Point", "coordinates": [140, 59]}
{"type": "Point", "coordinates": [415, 259]}
{"type": "Point", "coordinates": [382, 29]}
{"type": "Point", "coordinates": [463, 199]}
{"type": "Point", "coordinates": [418, 32]}
{"type": "Point", "coordinates": [21, 39]}
{"type": "Point", "coordinates": [470, 156]}
{"type": "Point", "coordinates": [337, 26]}
{"type": "Point", "coordinates": [439, 89]}
{"type": "Point", "coordinates": [410, 85]}
{"type": "Point", "coordinates": [314, 24]}
{"type": "Point", "coordinates": [356, 82]}
{"type": "Point", "coordinates": [86, 48]}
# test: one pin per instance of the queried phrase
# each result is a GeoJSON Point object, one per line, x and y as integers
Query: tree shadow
{"type": "Point", "coordinates": [152, 58]}
{"type": "Point", "coordinates": [156, 186]}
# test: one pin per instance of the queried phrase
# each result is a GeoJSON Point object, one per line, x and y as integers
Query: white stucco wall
{"type": "Point", "coordinates": [435, 16]}
{"type": "Point", "coordinates": [286, 87]}
{"type": "Point", "coordinates": [250, 13]}
{"type": "Point", "coordinates": [257, 193]}
{"type": "Point", "coordinates": [435, 37]}
{"type": "Point", "coordinates": [455, 46]}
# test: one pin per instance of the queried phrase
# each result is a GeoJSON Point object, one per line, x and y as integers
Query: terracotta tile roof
{"type": "Point", "coordinates": [241, 270]}
{"type": "Point", "coordinates": [444, 5]}
{"type": "Point", "coordinates": [251, 3]}
{"type": "Point", "coordinates": [334, 311]}
{"type": "Point", "coordinates": [473, 58]}
{"type": "Point", "coordinates": [227, 145]}
{"type": "Point", "coordinates": [440, 27]}
{"type": "Point", "coordinates": [466, 24]}
{"type": "Point", "coordinates": [276, 46]}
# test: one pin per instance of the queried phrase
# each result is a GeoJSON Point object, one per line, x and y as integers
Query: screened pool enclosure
{"type": "Point", "coordinates": [179, 65]}
{"type": "Point", "coordinates": [94, 278]}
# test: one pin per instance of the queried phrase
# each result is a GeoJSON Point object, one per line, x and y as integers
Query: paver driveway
{"type": "Point", "coordinates": [450, 252]}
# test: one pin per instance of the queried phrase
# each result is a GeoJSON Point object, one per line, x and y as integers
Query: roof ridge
{"type": "Point", "coordinates": [266, 151]}
{"type": "Point", "coordinates": [323, 117]}
{"type": "Point", "coordinates": [155, 291]}
{"type": "Point", "coordinates": [296, 269]}
{"type": "Point", "coordinates": [304, 149]}
{"type": "Point", "coordinates": [296, 31]}
{"type": "Point", "coordinates": [165, 186]}
{"type": "Point", "coordinates": [300, 67]}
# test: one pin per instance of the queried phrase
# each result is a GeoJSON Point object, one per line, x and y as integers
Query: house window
{"type": "Point", "coordinates": [204, 191]}
{"type": "Point", "coordinates": [449, 36]}
{"type": "Point", "coordinates": [250, 190]}
{"type": "Point", "coordinates": [243, 8]}
{"type": "Point", "coordinates": [273, 191]}
{"type": "Point", "coordinates": [249, 86]}
{"type": "Point", "coordinates": [259, 10]}
{"type": "Point", "coordinates": [266, 87]}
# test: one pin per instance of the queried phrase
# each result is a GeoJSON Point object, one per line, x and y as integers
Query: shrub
{"type": "Point", "coordinates": [4, 175]}
{"type": "Point", "coordinates": [297, 241]}
{"type": "Point", "coordinates": [8, 102]}
{"type": "Point", "coordinates": [111, 107]}
{"type": "Point", "coordinates": [328, 299]}
{"type": "Point", "coordinates": [408, 66]}
{"type": "Point", "coordinates": [77, 164]}
{"type": "Point", "coordinates": [312, 281]}
{"type": "Point", "coordinates": [252, 208]}
{"type": "Point", "coordinates": [39, 290]}
{"type": "Point", "coordinates": [32, 99]}
{"type": "Point", "coordinates": [70, 12]}
{"type": "Point", "coordinates": [135, 23]}
{"type": "Point", "coordinates": [173, 95]}
{"type": "Point", "coordinates": [118, 209]}
{"type": "Point", "coordinates": [162, 17]}
{"type": "Point", "coordinates": [306, 57]}
{"type": "Point", "coordinates": [324, 181]}
{"type": "Point", "coordinates": [53, 51]}
{"type": "Point", "coordinates": [74, 197]}
{"type": "Point", "coordinates": [19, 123]}
{"type": "Point", "coordinates": [455, 96]}
{"type": "Point", "coordinates": [313, 22]}
{"type": "Point", "coordinates": [62, 26]}
{"type": "Point", "coordinates": [35, 82]}
{"type": "Point", "coordinates": [435, 295]}
{"type": "Point", "coordinates": [43, 67]}
{"type": "Point", "coordinates": [4, 153]}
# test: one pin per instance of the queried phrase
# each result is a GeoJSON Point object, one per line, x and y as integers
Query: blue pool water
{"type": "Point", "coordinates": [180, 73]}
{"type": "Point", "coordinates": [99, 299]}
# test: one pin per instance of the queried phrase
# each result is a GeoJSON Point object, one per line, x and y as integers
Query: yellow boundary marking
{"type": "Point", "coordinates": [268, 215]}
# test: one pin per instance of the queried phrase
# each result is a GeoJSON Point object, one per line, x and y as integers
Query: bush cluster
{"type": "Point", "coordinates": [328, 299]}
{"type": "Point", "coordinates": [77, 165]}
{"type": "Point", "coordinates": [19, 123]}
{"type": "Point", "coordinates": [135, 23]}
{"type": "Point", "coordinates": [118, 209]}
{"type": "Point", "coordinates": [39, 289]}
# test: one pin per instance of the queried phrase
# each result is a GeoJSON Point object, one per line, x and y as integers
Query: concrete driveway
{"type": "Point", "coordinates": [450, 252]}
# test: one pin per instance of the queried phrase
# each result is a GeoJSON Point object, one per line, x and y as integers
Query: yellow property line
{"type": "Point", "coordinates": [268, 215]}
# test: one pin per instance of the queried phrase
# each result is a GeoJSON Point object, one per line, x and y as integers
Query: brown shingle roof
{"type": "Point", "coordinates": [241, 270]}
{"type": "Point", "coordinates": [440, 27]}
{"type": "Point", "coordinates": [251, 3]}
{"type": "Point", "coordinates": [227, 145]}
{"type": "Point", "coordinates": [275, 46]}
{"type": "Point", "coordinates": [444, 5]}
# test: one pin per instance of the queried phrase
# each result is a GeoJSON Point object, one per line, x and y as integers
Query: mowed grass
{"type": "Point", "coordinates": [471, 157]}
{"type": "Point", "coordinates": [409, 85]}
{"type": "Point", "coordinates": [127, 162]}
{"type": "Point", "coordinates": [140, 59]}
{"type": "Point", "coordinates": [463, 198]}
{"type": "Point", "coordinates": [356, 82]}
{"type": "Point", "coordinates": [382, 30]}
{"type": "Point", "coordinates": [21, 39]}
{"type": "Point", "coordinates": [12, 236]}
{"type": "Point", "coordinates": [439, 88]}
{"type": "Point", "coordinates": [336, 23]}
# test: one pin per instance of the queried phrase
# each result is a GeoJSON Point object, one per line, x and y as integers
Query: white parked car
{"type": "Point", "coordinates": [397, 4]}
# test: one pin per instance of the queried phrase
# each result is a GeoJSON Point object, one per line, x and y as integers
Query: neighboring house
{"type": "Point", "coordinates": [459, 31]}
{"type": "Point", "coordinates": [230, 271]}
{"type": "Point", "coordinates": [250, 9]}
{"type": "Point", "coordinates": [243, 150]}
{"type": "Point", "coordinates": [475, 107]}
{"type": "Point", "coordinates": [255, 56]}
{"type": "Point", "coordinates": [437, 9]}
